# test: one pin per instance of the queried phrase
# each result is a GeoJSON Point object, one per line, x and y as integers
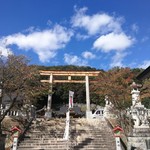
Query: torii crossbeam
{"type": "Point", "coordinates": [69, 74]}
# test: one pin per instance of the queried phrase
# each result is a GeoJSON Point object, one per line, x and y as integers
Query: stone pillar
{"type": "Point", "coordinates": [118, 145]}
{"type": "Point", "coordinates": [48, 113]}
{"type": "Point", "coordinates": [88, 111]}
{"type": "Point", "coordinates": [33, 112]}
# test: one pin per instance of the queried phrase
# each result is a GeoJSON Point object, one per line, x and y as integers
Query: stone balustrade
{"type": "Point", "coordinates": [31, 113]}
{"type": "Point", "coordinates": [10, 113]}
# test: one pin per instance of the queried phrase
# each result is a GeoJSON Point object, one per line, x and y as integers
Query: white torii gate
{"type": "Point", "coordinates": [69, 74]}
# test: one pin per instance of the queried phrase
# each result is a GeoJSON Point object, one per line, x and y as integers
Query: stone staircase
{"type": "Point", "coordinates": [85, 134]}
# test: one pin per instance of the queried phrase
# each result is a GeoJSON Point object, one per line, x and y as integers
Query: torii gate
{"type": "Point", "coordinates": [69, 74]}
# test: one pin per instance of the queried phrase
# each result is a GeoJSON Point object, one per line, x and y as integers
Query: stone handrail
{"type": "Point", "coordinates": [25, 129]}
{"type": "Point", "coordinates": [122, 139]}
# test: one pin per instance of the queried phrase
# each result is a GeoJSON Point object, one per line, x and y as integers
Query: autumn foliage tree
{"type": "Point", "coordinates": [19, 82]}
{"type": "Point", "coordinates": [145, 90]}
{"type": "Point", "coordinates": [115, 83]}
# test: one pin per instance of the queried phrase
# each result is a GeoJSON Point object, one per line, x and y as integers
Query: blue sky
{"type": "Point", "coordinates": [97, 33]}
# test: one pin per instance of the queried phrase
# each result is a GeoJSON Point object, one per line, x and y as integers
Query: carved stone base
{"type": "Point", "coordinates": [88, 114]}
{"type": "Point", "coordinates": [48, 114]}
{"type": "Point", "coordinates": [139, 139]}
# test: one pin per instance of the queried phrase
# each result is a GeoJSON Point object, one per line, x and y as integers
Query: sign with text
{"type": "Point", "coordinates": [71, 99]}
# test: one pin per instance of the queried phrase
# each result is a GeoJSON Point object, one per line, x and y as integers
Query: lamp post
{"type": "Point", "coordinates": [117, 133]}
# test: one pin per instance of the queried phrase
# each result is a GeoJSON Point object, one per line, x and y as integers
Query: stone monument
{"type": "Point", "coordinates": [140, 135]}
{"type": "Point", "coordinates": [108, 108]}
{"type": "Point", "coordinates": [138, 112]}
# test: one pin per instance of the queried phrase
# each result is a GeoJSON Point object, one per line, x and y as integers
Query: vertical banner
{"type": "Point", "coordinates": [71, 99]}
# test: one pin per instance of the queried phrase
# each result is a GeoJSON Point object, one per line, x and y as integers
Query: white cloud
{"type": "Point", "coordinates": [82, 36]}
{"type": "Point", "coordinates": [110, 32]}
{"type": "Point", "coordinates": [88, 55]}
{"type": "Point", "coordinates": [31, 29]}
{"type": "Point", "coordinates": [44, 43]}
{"type": "Point", "coordinates": [135, 28]}
{"type": "Point", "coordinates": [97, 23]}
{"type": "Point", "coordinates": [117, 59]}
{"type": "Point", "coordinates": [113, 41]}
{"type": "Point", "coordinates": [5, 51]}
{"type": "Point", "coordinates": [144, 64]}
{"type": "Point", "coordinates": [74, 60]}
{"type": "Point", "coordinates": [144, 39]}
{"type": "Point", "coordinates": [49, 23]}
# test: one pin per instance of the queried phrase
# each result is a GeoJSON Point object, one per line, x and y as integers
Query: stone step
{"type": "Point", "coordinates": [72, 134]}
{"type": "Point", "coordinates": [97, 132]}
{"type": "Point", "coordinates": [65, 148]}
{"type": "Point", "coordinates": [75, 148]}
{"type": "Point", "coordinates": [33, 148]}
{"type": "Point", "coordinates": [47, 135]}
{"type": "Point", "coordinates": [79, 138]}
{"type": "Point", "coordinates": [43, 141]}
{"type": "Point", "coordinates": [64, 144]}
{"type": "Point", "coordinates": [43, 148]}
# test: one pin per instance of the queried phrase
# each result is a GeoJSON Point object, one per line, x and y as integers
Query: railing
{"type": "Point", "coordinates": [10, 113]}
{"type": "Point", "coordinates": [31, 112]}
{"type": "Point", "coordinates": [123, 142]}
{"type": "Point", "coordinates": [25, 130]}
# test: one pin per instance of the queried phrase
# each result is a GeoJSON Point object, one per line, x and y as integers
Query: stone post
{"type": "Point", "coordinates": [16, 132]}
{"type": "Point", "coordinates": [117, 133]}
{"type": "Point", "coordinates": [33, 112]}
{"type": "Point", "coordinates": [118, 145]}
{"type": "Point", "coordinates": [48, 113]}
{"type": "Point", "coordinates": [66, 133]}
{"type": "Point", "coordinates": [88, 111]}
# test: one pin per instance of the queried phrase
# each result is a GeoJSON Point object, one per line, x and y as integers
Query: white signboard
{"type": "Point", "coordinates": [71, 99]}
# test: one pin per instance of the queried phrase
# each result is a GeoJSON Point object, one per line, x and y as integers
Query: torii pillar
{"type": "Point", "coordinates": [48, 113]}
{"type": "Point", "coordinates": [88, 110]}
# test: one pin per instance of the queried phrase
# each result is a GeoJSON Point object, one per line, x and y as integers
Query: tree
{"type": "Point", "coordinates": [115, 83]}
{"type": "Point", "coordinates": [145, 90]}
{"type": "Point", "coordinates": [19, 82]}
{"type": "Point", "coordinates": [145, 93]}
